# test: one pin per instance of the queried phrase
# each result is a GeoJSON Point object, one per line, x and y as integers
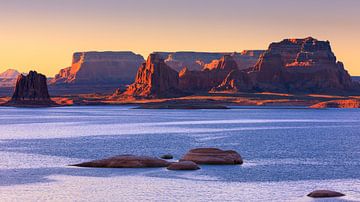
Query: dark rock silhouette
{"type": "Point", "coordinates": [31, 90]}
{"type": "Point", "coordinates": [325, 194]}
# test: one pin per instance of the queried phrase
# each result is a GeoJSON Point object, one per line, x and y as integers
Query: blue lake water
{"type": "Point", "coordinates": [287, 153]}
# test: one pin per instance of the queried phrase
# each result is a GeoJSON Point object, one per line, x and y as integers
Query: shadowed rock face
{"type": "Point", "coordinates": [154, 79]}
{"type": "Point", "coordinates": [31, 89]}
{"type": "Point", "coordinates": [100, 68]}
{"type": "Point", "coordinates": [206, 79]}
{"type": "Point", "coordinates": [235, 81]}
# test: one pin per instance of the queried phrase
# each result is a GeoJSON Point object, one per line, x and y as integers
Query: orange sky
{"type": "Point", "coordinates": [42, 35]}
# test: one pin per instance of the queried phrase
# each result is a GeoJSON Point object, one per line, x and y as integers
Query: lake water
{"type": "Point", "coordinates": [287, 153]}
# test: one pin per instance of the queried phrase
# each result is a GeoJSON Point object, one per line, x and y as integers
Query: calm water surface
{"type": "Point", "coordinates": [287, 153]}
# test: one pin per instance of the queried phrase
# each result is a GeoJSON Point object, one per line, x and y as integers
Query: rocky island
{"type": "Point", "coordinates": [31, 91]}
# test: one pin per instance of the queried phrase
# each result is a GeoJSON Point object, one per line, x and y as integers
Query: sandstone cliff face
{"type": "Point", "coordinates": [196, 61]}
{"type": "Point", "coordinates": [191, 60]}
{"type": "Point", "coordinates": [301, 65]}
{"type": "Point", "coordinates": [31, 90]}
{"type": "Point", "coordinates": [154, 79]}
{"type": "Point", "coordinates": [235, 81]}
{"type": "Point", "coordinates": [205, 80]}
{"type": "Point", "coordinates": [296, 65]}
{"type": "Point", "coordinates": [100, 68]}
{"type": "Point", "coordinates": [244, 60]}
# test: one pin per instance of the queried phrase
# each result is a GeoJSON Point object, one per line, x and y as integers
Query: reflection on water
{"type": "Point", "coordinates": [301, 150]}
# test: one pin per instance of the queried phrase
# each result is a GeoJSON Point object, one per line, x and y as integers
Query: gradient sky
{"type": "Point", "coordinates": [43, 34]}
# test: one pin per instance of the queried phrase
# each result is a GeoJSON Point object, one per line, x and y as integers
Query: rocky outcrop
{"type": "Point", "coordinates": [352, 103]}
{"type": "Point", "coordinates": [205, 80]}
{"type": "Point", "coordinates": [100, 68]}
{"type": "Point", "coordinates": [325, 194]}
{"type": "Point", "coordinates": [154, 79]}
{"type": "Point", "coordinates": [301, 65]}
{"type": "Point", "coordinates": [126, 161]}
{"type": "Point", "coordinates": [196, 61]}
{"type": "Point", "coordinates": [235, 81]}
{"type": "Point", "coordinates": [243, 60]}
{"type": "Point", "coordinates": [293, 66]}
{"type": "Point", "coordinates": [213, 156]}
{"type": "Point", "coordinates": [31, 90]}
{"type": "Point", "coordinates": [8, 78]}
{"type": "Point", "coordinates": [183, 165]}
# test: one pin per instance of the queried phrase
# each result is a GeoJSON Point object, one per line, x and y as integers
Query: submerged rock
{"type": "Point", "coordinates": [126, 161]}
{"type": "Point", "coordinates": [183, 165]}
{"type": "Point", "coordinates": [213, 156]}
{"type": "Point", "coordinates": [325, 194]}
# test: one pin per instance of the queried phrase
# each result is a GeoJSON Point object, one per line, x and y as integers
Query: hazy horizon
{"type": "Point", "coordinates": [43, 35]}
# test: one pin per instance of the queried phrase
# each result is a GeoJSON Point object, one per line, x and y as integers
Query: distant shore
{"type": "Point", "coordinates": [209, 101]}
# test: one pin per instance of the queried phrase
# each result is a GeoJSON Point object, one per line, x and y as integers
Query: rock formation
{"type": "Point", "coordinates": [295, 66]}
{"type": "Point", "coordinates": [301, 65]}
{"type": "Point", "coordinates": [100, 68]}
{"type": "Point", "coordinates": [205, 80]}
{"type": "Point", "coordinates": [31, 90]}
{"type": "Point", "coordinates": [213, 156]}
{"type": "Point", "coordinates": [191, 60]}
{"type": "Point", "coordinates": [196, 61]}
{"type": "Point", "coordinates": [243, 60]}
{"type": "Point", "coordinates": [154, 79]}
{"type": "Point", "coordinates": [8, 78]}
{"type": "Point", "coordinates": [183, 165]}
{"type": "Point", "coordinates": [235, 81]}
{"type": "Point", "coordinates": [126, 161]}
{"type": "Point", "coordinates": [325, 194]}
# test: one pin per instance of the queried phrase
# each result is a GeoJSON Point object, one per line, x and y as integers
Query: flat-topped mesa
{"type": "Point", "coordinates": [300, 65]}
{"type": "Point", "coordinates": [154, 79]}
{"type": "Point", "coordinates": [206, 79]}
{"type": "Point", "coordinates": [100, 68]}
{"type": "Point", "coordinates": [308, 52]}
{"type": "Point", "coordinates": [31, 90]}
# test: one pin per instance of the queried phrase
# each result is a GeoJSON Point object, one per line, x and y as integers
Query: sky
{"type": "Point", "coordinates": [43, 34]}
